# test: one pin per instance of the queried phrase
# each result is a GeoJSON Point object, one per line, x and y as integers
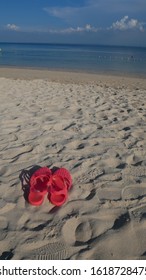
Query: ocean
{"type": "Point", "coordinates": [85, 58]}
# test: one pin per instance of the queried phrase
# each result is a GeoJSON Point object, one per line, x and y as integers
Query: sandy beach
{"type": "Point", "coordinates": [93, 125]}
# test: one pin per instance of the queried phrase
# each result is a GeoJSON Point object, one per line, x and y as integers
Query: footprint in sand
{"type": "Point", "coordinates": [90, 176]}
{"type": "Point", "coordinates": [51, 251]}
{"type": "Point", "coordinates": [133, 191]}
{"type": "Point", "coordinates": [76, 231]}
{"type": "Point", "coordinates": [136, 171]}
{"type": "Point", "coordinates": [133, 159]}
{"type": "Point", "coordinates": [83, 231]}
{"type": "Point", "coordinates": [138, 213]}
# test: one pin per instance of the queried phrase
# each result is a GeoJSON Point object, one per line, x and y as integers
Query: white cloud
{"type": "Point", "coordinates": [62, 12]}
{"type": "Point", "coordinates": [12, 27]}
{"type": "Point", "coordinates": [125, 23]}
{"type": "Point", "coordinates": [86, 28]}
{"type": "Point", "coordinates": [73, 15]}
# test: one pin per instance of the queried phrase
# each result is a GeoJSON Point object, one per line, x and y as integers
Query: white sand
{"type": "Point", "coordinates": [94, 126]}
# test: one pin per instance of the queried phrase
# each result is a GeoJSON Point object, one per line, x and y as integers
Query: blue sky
{"type": "Point", "coordinates": [114, 22]}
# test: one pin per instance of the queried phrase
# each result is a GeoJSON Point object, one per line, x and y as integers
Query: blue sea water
{"type": "Point", "coordinates": [85, 58]}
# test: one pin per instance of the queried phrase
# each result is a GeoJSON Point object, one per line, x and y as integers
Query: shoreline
{"type": "Point", "coordinates": [64, 76]}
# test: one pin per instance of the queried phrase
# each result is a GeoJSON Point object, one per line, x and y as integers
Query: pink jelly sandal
{"type": "Point", "coordinates": [39, 185]}
{"type": "Point", "coordinates": [35, 198]}
{"type": "Point", "coordinates": [64, 173]}
{"type": "Point", "coordinates": [39, 180]}
{"type": "Point", "coordinates": [57, 191]}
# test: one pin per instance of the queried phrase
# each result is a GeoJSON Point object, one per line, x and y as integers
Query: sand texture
{"type": "Point", "coordinates": [97, 131]}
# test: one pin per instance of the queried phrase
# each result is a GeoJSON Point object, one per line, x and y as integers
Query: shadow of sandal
{"type": "Point", "coordinates": [24, 177]}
